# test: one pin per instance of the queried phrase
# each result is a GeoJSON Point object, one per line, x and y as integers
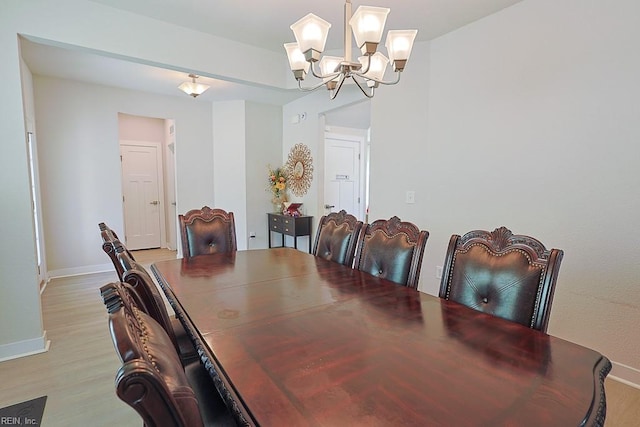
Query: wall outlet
{"type": "Point", "coordinates": [438, 272]}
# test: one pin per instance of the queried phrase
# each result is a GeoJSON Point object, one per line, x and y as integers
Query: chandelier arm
{"type": "Point", "coordinates": [362, 89]}
{"type": "Point", "coordinates": [309, 88]}
{"type": "Point", "coordinates": [334, 92]}
{"type": "Point", "coordinates": [362, 72]}
{"type": "Point", "coordinates": [382, 82]}
{"type": "Point", "coordinates": [321, 76]}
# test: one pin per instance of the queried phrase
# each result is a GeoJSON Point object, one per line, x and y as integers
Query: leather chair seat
{"type": "Point", "coordinates": [213, 411]}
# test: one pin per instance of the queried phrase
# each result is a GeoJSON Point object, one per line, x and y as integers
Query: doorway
{"type": "Point", "coordinates": [142, 198]}
{"type": "Point", "coordinates": [343, 174]}
{"type": "Point", "coordinates": [346, 159]}
{"type": "Point", "coordinates": [147, 150]}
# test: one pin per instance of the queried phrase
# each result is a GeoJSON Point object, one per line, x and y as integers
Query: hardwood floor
{"type": "Point", "coordinates": [77, 373]}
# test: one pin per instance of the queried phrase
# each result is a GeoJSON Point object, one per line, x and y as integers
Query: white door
{"type": "Point", "coordinates": [141, 166]}
{"type": "Point", "coordinates": [342, 175]}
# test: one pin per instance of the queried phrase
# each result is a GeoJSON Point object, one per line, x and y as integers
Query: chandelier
{"type": "Point", "coordinates": [366, 25]}
{"type": "Point", "coordinates": [193, 88]}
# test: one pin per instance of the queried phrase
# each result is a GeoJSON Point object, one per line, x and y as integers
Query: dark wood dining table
{"type": "Point", "coordinates": [294, 340]}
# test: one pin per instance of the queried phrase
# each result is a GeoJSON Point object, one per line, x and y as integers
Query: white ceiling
{"type": "Point", "coordinates": [262, 23]}
{"type": "Point", "coordinates": [265, 23]}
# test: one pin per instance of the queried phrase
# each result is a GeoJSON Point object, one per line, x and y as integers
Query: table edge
{"type": "Point", "coordinates": [231, 398]}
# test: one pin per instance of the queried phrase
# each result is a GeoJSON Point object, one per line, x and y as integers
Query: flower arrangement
{"type": "Point", "coordinates": [277, 185]}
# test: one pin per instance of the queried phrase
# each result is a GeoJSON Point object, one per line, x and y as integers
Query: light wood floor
{"type": "Point", "coordinates": [77, 373]}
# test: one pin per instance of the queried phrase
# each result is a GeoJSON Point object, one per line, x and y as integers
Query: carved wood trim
{"type": "Point", "coordinates": [228, 395]}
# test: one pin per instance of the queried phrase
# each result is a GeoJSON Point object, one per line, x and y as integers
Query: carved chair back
{"type": "Point", "coordinates": [151, 379]}
{"type": "Point", "coordinates": [153, 304]}
{"type": "Point", "coordinates": [109, 239]}
{"type": "Point", "coordinates": [337, 237]}
{"type": "Point", "coordinates": [207, 231]}
{"type": "Point", "coordinates": [392, 249]}
{"type": "Point", "coordinates": [506, 275]}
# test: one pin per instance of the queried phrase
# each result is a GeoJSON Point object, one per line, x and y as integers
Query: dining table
{"type": "Point", "coordinates": [292, 339]}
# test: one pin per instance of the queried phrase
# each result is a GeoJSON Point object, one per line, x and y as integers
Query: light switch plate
{"type": "Point", "coordinates": [410, 197]}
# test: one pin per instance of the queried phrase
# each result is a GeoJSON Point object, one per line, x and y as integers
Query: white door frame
{"type": "Point", "coordinates": [34, 179]}
{"type": "Point", "coordinates": [171, 187]}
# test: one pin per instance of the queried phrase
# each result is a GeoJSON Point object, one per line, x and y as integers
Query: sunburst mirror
{"type": "Point", "coordinates": [299, 169]}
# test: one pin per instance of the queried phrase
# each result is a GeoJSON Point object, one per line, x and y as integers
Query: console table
{"type": "Point", "coordinates": [289, 225]}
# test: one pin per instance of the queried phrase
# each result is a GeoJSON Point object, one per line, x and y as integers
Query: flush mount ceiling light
{"type": "Point", "coordinates": [366, 25]}
{"type": "Point", "coordinates": [193, 88]}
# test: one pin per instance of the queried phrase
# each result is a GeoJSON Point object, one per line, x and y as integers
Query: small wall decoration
{"type": "Point", "coordinates": [299, 169]}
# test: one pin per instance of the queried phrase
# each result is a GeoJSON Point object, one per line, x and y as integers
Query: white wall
{"type": "Point", "coordinates": [247, 137]}
{"type": "Point", "coordinates": [532, 123]}
{"type": "Point", "coordinates": [263, 147]}
{"type": "Point", "coordinates": [77, 131]}
{"type": "Point", "coordinates": [138, 128]}
{"type": "Point", "coordinates": [88, 25]}
{"type": "Point", "coordinates": [20, 310]}
{"type": "Point", "coordinates": [230, 183]}
{"type": "Point", "coordinates": [527, 119]}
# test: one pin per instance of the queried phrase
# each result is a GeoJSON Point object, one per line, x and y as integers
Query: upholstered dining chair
{"type": "Point", "coordinates": [392, 249]}
{"type": "Point", "coordinates": [506, 275]}
{"type": "Point", "coordinates": [153, 304]}
{"type": "Point", "coordinates": [152, 380]}
{"type": "Point", "coordinates": [207, 231]}
{"type": "Point", "coordinates": [109, 238]}
{"type": "Point", "coordinates": [337, 237]}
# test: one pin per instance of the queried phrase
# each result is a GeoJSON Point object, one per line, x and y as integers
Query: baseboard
{"type": "Point", "coordinates": [24, 348]}
{"type": "Point", "coordinates": [625, 374]}
{"type": "Point", "coordinates": [79, 271]}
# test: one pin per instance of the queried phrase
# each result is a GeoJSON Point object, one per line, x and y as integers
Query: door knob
{"type": "Point", "coordinates": [155, 202]}
{"type": "Point", "coordinates": [329, 206]}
